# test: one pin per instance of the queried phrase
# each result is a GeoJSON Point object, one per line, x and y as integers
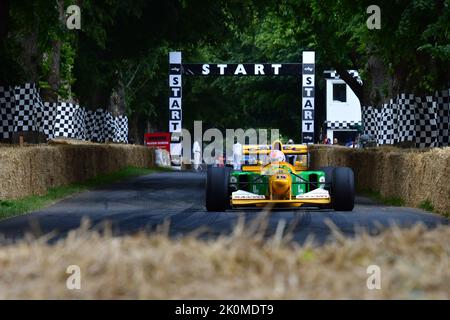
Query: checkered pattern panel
{"type": "Point", "coordinates": [21, 109]}
{"type": "Point", "coordinates": [443, 118]}
{"type": "Point", "coordinates": [80, 123]}
{"type": "Point", "coordinates": [426, 123]}
{"type": "Point", "coordinates": [24, 100]}
{"type": "Point", "coordinates": [48, 120]}
{"type": "Point", "coordinates": [371, 117]}
{"type": "Point", "coordinates": [122, 129]}
{"type": "Point", "coordinates": [38, 112]}
{"type": "Point", "coordinates": [332, 74]}
{"type": "Point", "coordinates": [394, 114]}
{"type": "Point", "coordinates": [89, 124]}
{"type": "Point", "coordinates": [342, 124]}
{"type": "Point", "coordinates": [386, 125]}
{"type": "Point", "coordinates": [6, 112]}
{"type": "Point", "coordinates": [65, 120]}
{"type": "Point", "coordinates": [406, 122]}
{"type": "Point", "coordinates": [110, 127]}
{"type": "Point", "coordinates": [99, 125]}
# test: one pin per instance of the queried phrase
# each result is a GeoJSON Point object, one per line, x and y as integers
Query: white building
{"type": "Point", "coordinates": [343, 109]}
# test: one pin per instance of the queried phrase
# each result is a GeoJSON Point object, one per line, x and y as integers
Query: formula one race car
{"type": "Point", "coordinates": [278, 174]}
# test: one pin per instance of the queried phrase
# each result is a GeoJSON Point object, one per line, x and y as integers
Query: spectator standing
{"type": "Point", "coordinates": [197, 151]}
{"type": "Point", "coordinates": [237, 155]}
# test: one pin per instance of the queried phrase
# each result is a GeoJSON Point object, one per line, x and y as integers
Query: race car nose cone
{"type": "Point", "coordinates": [280, 186]}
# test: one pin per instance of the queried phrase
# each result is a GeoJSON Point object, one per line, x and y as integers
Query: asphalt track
{"type": "Point", "coordinates": [144, 203]}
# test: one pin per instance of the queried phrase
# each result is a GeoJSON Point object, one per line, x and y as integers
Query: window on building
{"type": "Point", "coordinates": [340, 92]}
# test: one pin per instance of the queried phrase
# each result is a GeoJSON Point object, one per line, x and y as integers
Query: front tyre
{"type": "Point", "coordinates": [343, 189]}
{"type": "Point", "coordinates": [217, 191]}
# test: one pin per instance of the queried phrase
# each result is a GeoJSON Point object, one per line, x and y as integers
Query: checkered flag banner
{"type": "Point", "coordinates": [89, 125]}
{"type": "Point", "coordinates": [122, 129]}
{"type": "Point", "coordinates": [72, 121]}
{"type": "Point", "coordinates": [80, 123]}
{"type": "Point", "coordinates": [110, 127]}
{"type": "Point", "coordinates": [6, 112]}
{"type": "Point", "coordinates": [24, 112]}
{"type": "Point", "coordinates": [47, 123]}
{"type": "Point", "coordinates": [371, 118]}
{"type": "Point", "coordinates": [422, 120]}
{"type": "Point", "coordinates": [406, 122]}
{"type": "Point", "coordinates": [98, 134]}
{"type": "Point", "coordinates": [386, 125]}
{"type": "Point", "coordinates": [426, 122]}
{"type": "Point", "coordinates": [443, 119]}
{"type": "Point", "coordinates": [65, 120]}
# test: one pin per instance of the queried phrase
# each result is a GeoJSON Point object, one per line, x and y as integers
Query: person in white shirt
{"type": "Point", "coordinates": [197, 151]}
{"type": "Point", "coordinates": [237, 155]}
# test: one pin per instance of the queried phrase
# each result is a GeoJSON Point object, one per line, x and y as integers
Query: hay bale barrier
{"type": "Point", "coordinates": [415, 176]}
{"type": "Point", "coordinates": [31, 170]}
{"type": "Point", "coordinates": [414, 264]}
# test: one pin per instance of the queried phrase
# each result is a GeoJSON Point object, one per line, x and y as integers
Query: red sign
{"type": "Point", "coordinates": [160, 140]}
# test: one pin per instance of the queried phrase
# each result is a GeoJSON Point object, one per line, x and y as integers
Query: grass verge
{"type": "Point", "coordinates": [10, 208]}
{"type": "Point", "coordinates": [426, 205]}
{"type": "Point", "coordinates": [398, 202]}
{"type": "Point", "coordinates": [390, 201]}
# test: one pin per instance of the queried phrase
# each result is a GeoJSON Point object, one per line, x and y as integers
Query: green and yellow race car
{"type": "Point", "coordinates": [278, 174]}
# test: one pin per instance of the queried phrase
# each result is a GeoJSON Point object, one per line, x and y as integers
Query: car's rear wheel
{"type": "Point", "coordinates": [217, 190]}
{"type": "Point", "coordinates": [343, 189]}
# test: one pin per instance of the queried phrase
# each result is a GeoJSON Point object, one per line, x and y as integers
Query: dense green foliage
{"type": "Point", "coordinates": [122, 47]}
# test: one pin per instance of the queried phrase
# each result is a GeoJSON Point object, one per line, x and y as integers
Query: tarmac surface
{"type": "Point", "coordinates": [177, 198]}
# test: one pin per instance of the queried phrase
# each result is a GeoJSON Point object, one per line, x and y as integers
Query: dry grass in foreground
{"type": "Point", "coordinates": [414, 264]}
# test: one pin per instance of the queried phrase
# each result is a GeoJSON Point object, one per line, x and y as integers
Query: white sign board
{"type": "Point", "coordinates": [308, 80]}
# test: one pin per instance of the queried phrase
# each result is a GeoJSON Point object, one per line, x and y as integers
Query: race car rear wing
{"type": "Point", "coordinates": [256, 155]}
{"type": "Point", "coordinates": [288, 149]}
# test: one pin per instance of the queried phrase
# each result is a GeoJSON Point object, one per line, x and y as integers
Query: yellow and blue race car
{"type": "Point", "coordinates": [278, 174]}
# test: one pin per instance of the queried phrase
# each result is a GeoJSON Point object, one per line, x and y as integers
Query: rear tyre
{"type": "Point", "coordinates": [343, 189]}
{"type": "Point", "coordinates": [217, 191]}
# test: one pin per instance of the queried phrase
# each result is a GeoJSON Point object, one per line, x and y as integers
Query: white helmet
{"type": "Point", "coordinates": [277, 156]}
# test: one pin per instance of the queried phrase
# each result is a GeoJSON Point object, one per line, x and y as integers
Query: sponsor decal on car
{"type": "Point", "coordinates": [245, 195]}
{"type": "Point", "coordinates": [315, 194]}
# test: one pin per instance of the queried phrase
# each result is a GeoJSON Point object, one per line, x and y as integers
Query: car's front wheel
{"type": "Point", "coordinates": [343, 189]}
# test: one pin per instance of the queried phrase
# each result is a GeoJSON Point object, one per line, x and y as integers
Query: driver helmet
{"type": "Point", "coordinates": [276, 156]}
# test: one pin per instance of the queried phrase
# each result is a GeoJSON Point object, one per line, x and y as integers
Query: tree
{"type": "Point", "coordinates": [119, 57]}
